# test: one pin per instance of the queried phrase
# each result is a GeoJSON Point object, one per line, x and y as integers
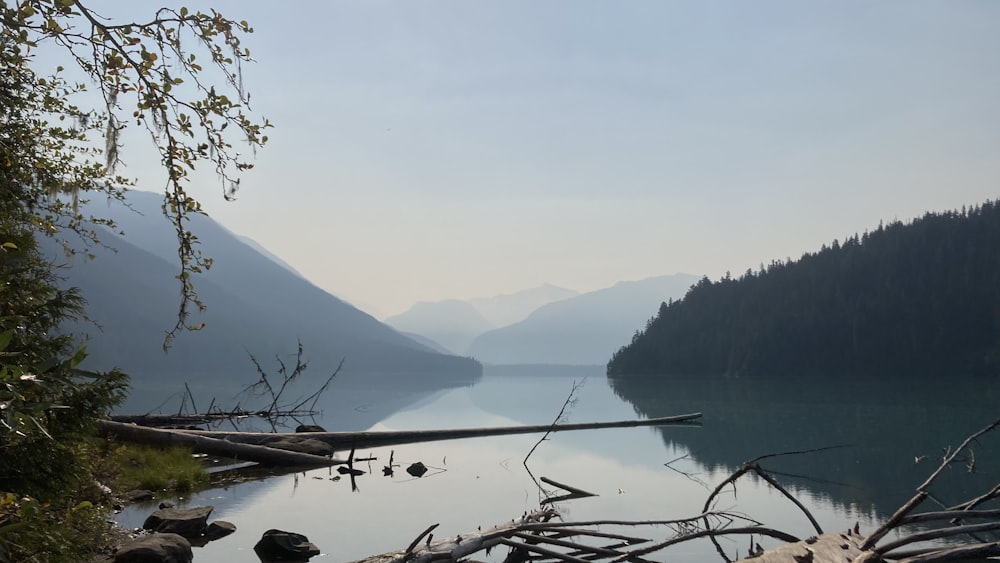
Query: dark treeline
{"type": "Point", "coordinates": [906, 299]}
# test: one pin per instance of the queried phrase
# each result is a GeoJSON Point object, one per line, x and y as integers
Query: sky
{"type": "Point", "coordinates": [430, 150]}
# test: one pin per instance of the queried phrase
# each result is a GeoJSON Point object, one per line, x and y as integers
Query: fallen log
{"type": "Point", "coordinates": [215, 446]}
{"type": "Point", "coordinates": [829, 548]}
{"type": "Point", "coordinates": [578, 542]}
{"type": "Point", "coordinates": [348, 440]}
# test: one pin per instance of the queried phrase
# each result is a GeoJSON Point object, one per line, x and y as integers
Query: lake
{"type": "Point", "coordinates": [893, 435]}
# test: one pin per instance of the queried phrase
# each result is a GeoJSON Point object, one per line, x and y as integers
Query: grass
{"type": "Point", "coordinates": [70, 524]}
{"type": "Point", "coordinates": [155, 469]}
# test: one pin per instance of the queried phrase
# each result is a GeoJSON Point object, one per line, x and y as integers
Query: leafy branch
{"type": "Point", "coordinates": [155, 65]}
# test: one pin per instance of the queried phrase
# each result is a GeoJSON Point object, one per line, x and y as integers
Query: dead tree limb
{"type": "Point", "coordinates": [246, 452]}
{"type": "Point", "coordinates": [763, 475]}
{"type": "Point", "coordinates": [936, 534]}
{"type": "Point", "coordinates": [948, 515]}
{"type": "Point", "coordinates": [961, 553]}
{"type": "Point", "coordinates": [947, 461]}
{"type": "Point", "coordinates": [893, 521]}
{"type": "Point", "coordinates": [570, 400]}
{"type": "Point", "coordinates": [542, 551]}
{"type": "Point", "coordinates": [755, 530]}
{"type": "Point", "coordinates": [344, 440]}
{"type": "Point", "coordinates": [455, 548]}
{"type": "Point", "coordinates": [754, 466]}
{"type": "Point", "coordinates": [574, 493]}
{"type": "Point", "coordinates": [970, 504]}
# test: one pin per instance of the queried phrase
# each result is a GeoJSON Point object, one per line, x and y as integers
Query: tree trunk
{"type": "Point", "coordinates": [209, 445]}
{"type": "Point", "coordinates": [349, 440]}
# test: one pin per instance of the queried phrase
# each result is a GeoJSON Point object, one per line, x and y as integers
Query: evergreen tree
{"type": "Point", "coordinates": [903, 300]}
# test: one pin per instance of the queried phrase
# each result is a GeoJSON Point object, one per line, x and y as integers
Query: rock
{"type": "Point", "coordinates": [190, 523]}
{"type": "Point", "coordinates": [219, 529]}
{"type": "Point", "coordinates": [155, 548]}
{"type": "Point", "coordinates": [138, 495]}
{"type": "Point", "coordinates": [417, 469]}
{"type": "Point", "coordinates": [309, 428]}
{"type": "Point", "coordinates": [215, 531]}
{"type": "Point", "coordinates": [278, 545]}
{"type": "Point", "coordinates": [166, 504]}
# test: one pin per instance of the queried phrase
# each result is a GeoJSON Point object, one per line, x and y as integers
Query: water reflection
{"type": "Point", "coordinates": [480, 482]}
{"type": "Point", "coordinates": [895, 431]}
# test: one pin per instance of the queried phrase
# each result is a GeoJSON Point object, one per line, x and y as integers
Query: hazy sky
{"type": "Point", "coordinates": [428, 150]}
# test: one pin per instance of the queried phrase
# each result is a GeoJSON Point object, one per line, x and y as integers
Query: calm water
{"type": "Point", "coordinates": [887, 428]}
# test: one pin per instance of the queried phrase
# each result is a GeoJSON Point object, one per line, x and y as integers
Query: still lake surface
{"type": "Point", "coordinates": [893, 434]}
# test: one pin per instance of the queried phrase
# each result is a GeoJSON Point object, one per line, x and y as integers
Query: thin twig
{"type": "Point", "coordinates": [413, 544]}
{"type": "Point", "coordinates": [570, 399]}
{"type": "Point", "coordinates": [763, 475]}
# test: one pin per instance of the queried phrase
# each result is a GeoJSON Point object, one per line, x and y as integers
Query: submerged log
{"type": "Point", "coordinates": [209, 445]}
{"type": "Point", "coordinates": [347, 440]}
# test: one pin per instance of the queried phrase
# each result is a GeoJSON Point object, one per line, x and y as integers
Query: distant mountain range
{"type": "Point", "coordinates": [547, 325]}
{"type": "Point", "coordinates": [581, 330]}
{"type": "Point", "coordinates": [256, 304]}
{"type": "Point", "coordinates": [506, 309]}
{"type": "Point", "coordinates": [452, 323]}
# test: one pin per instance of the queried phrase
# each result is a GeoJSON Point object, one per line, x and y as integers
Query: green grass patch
{"type": "Point", "coordinates": [156, 469]}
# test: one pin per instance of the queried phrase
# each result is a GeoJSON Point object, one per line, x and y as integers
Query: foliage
{"type": "Point", "coordinates": [47, 409]}
{"type": "Point", "coordinates": [54, 153]}
{"type": "Point", "coordinates": [151, 468]}
{"type": "Point", "coordinates": [906, 299]}
{"type": "Point", "coordinates": [147, 73]}
{"type": "Point", "coordinates": [32, 531]}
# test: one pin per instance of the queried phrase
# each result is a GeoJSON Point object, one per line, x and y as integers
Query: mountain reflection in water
{"type": "Point", "coordinates": [481, 481]}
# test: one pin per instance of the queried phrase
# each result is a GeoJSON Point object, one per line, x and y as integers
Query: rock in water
{"type": "Point", "coordinates": [219, 529]}
{"type": "Point", "coordinates": [155, 548]}
{"type": "Point", "coordinates": [190, 523]}
{"type": "Point", "coordinates": [279, 545]}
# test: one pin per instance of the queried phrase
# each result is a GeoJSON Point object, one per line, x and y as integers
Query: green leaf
{"type": "Point", "coordinates": [78, 357]}
{"type": "Point", "coordinates": [82, 505]}
{"type": "Point", "coordinates": [5, 338]}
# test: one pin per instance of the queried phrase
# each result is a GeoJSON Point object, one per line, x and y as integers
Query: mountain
{"type": "Point", "coordinates": [584, 329]}
{"type": "Point", "coordinates": [452, 324]}
{"type": "Point", "coordinates": [502, 310]}
{"type": "Point", "coordinates": [905, 300]}
{"type": "Point", "coordinates": [267, 254]}
{"type": "Point", "coordinates": [255, 306]}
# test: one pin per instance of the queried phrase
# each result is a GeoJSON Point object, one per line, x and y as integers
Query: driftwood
{"type": "Point", "coordinates": [538, 536]}
{"type": "Point", "coordinates": [205, 444]}
{"type": "Point", "coordinates": [454, 548]}
{"type": "Point", "coordinates": [348, 440]}
{"type": "Point", "coordinates": [254, 446]}
{"type": "Point", "coordinates": [824, 547]}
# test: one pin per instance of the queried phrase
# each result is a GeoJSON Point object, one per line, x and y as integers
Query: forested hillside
{"type": "Point", "coordinates": [921, 298]}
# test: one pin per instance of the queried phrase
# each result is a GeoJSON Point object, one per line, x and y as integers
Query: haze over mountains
{"type": "Point", "coordinates": [453, 324]}
{"type": "Point", "coordinates": [256, 305]}
{"type": "Point", "coordinates": [581, 330]}
{"type": "Point", "coordinates": [259, 305]}
{"type": "Point", "coordinates": [564, 328]}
